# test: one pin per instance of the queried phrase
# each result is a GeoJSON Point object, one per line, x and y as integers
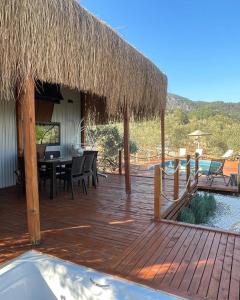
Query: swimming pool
{"type": "Point", "coordinates": [203, 165]}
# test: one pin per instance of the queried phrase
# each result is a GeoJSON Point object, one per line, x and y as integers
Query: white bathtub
{"type": "Point", "coordinates": [36, 276]}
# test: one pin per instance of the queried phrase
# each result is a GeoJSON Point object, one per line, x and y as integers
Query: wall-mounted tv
{"type": "Point", "coordinates": [48, 133]}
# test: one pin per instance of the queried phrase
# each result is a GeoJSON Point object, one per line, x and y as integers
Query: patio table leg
{"type": "Point", "coordinates": [53, 190]}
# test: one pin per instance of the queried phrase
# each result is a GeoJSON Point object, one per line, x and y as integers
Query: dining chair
{"type": "Point", "coordinates": [88, 168]}
{"type": "Point", "coordinates": [75, 173]}
{"type": "Point", "coordinates": [94, 166]}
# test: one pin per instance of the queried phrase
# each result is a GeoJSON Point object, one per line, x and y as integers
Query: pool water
{"type": "Point", "coordinates": [227, 214]}
{"type": "Point", "coordinates": [203, 166]}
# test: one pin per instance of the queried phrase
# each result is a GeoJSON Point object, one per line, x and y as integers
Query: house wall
{"type": "Point", "coordinates": [8, 143]}
{"type": "Point", "coordinates": [67, 113]}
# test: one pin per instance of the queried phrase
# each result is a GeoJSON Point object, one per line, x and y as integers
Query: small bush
{"type": "Point", "coordinates": [186, 215]}
{"type": "Point", "coordinates": [200, 208]}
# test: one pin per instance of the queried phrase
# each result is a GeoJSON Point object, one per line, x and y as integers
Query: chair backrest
{"type": "Point", "coordinates": [87, 152]}
{"type": "Point", "coordinates": [228, 154]}
{"type": "Point", "coordinates": [20, 172]}
{"type": "Point", "coordinates": [55, 154]}
{"type": "Point", "coordinates": [182, 151]}
{"type": "Point", "coordinates": [216, 166]}
{"type": "Point", "coordinates": [199, 151]}
{"type": "Point", "coordinates": [77, 165]}
{"type": "Point", "coordinates": [88, 164]}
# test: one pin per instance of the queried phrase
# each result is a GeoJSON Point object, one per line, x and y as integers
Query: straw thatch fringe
{"type": "Point", "coordinates": [60, 42]}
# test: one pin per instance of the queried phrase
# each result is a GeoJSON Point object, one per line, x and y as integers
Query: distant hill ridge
{"type": "Point", "coordinates": [179, 102]}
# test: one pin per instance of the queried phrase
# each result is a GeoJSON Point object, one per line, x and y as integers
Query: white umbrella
{"type": "Point", "coordinates": [197, 134]}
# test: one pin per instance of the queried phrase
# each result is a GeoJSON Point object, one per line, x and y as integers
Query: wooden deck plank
{"type": "Point", "coordinates": [204, 284]}
{"type": "Point", "coordinates": [226, 272]}
{"type": "Point", "coordinates": [234, 290]}
{"type": "Point", "coordinates": [185, 262]}
{"type": "Point", "coordinates": [201, 265]}
{"type": "Point", "coordinates": [177, 261]}
{"type": "Point", "coordinates": [186, 281]}
{"type": "Point", "coordinates": [116, 234]}
{"type": "Point", "coordinates": [217, 269]}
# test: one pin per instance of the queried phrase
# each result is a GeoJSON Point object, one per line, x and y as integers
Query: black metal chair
{"type": "Point", "coordinates": [75, 172]}
{"type": "Point", "coordinates": [88, 168]}
{"type": "Point", "coordinates": [20, 176]}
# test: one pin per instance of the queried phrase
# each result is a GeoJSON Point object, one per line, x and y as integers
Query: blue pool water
{"type": "Point", "coordinates": [203, 165]}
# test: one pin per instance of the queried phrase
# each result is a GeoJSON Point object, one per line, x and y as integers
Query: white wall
{"type": "Point", "coordinates": [8, 143]}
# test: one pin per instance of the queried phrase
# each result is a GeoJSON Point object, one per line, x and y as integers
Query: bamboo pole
{"type": "Point", "coordinates": [196, 167]}
{"type": "Point", "coordinates": [163, 158]}
{"type": "Point", "coordinates": [176, 179]}
{"type": "Point", "coordinates": [30, 159]}
{"type": "Point", "coordinates": [120, 162]}
{"type": "Point", "coordinates": [127, 151]}
{"type": "Point", "coordinates": [157, 192]}
{"type": "Point", "coordinates": [188, 172]}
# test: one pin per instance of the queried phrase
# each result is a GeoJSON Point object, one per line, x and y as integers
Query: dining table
{"type": "Point", "coordinates": [51, 165]}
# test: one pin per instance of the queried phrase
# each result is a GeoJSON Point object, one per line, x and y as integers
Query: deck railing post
{"type": "Point", "coordinates": [120, 162]}
{"type": "Point", "coordinates": [176, 179]}
{"type": "Point", "coordinates": [196, 167]}
{"type": "Point", "coordinates": [157, 192]}
{"type": "Point", "coordinates": [188, 173]}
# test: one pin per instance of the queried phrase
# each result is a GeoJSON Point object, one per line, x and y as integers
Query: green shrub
{"type": "Point", "coordinates": [211, 203]}
{"type": "Point", "coordinates": [198, 206]}
{"type": "Point", "coordinates": [203, 206]}
{"type": "Point", "coordinates": [186, 215]}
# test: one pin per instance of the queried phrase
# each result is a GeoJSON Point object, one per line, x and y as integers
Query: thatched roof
{"type": "Point", "coordinates": [60, 42]}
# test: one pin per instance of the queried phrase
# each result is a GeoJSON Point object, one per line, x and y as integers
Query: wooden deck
{"type": "Point", "coordinates": [111, 232]}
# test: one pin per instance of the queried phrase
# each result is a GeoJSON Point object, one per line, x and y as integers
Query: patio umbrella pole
{"type": "Point", "coordinates": [127, 150]}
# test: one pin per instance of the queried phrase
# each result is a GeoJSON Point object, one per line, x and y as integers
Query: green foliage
{"type": "Point", "coordinates": [198, 205]}
{"type": "Point", "coordinates": [201, 207]}
{"type": "Point", "coordinates": [110, 141]}
{"type": "Point", "coordinates": [186, 215]}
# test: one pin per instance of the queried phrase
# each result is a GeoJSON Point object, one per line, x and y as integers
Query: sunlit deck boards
{"type": "Point", "coordinates": [189, 261]}
{"type": "Point", "coordinates": [110, 232]}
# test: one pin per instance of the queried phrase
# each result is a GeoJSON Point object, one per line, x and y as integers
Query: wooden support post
{"type": "Point", "coordinates": [163, 140]}
{"type": "Point", "coordinates": [157, 193]}
{"type": "Point", "coordinates": [196, 167]}
{"type": "Point", "coordinates": [127, 151]}
{"type": "Point", "coordinates": [176, 179]}
{"type": "Point", "coordinates": [188, 172]}
{"type": "Point", "coordinates": [30, 159]}
{"type": "Point", "coordinates": [83, 116]}
{"type": "Point", "coordinates": [120, 162]}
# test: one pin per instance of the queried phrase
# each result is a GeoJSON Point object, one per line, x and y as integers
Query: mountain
{"type": "Point", "coordinates": [185, 104]}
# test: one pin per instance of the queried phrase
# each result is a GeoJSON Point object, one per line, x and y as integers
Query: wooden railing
{"type": "Point", "coordinates": [187, 189]}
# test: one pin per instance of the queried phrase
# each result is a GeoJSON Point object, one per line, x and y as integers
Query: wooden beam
{"type": "Point", "coordinates": [196, 167]}
{"type": "Point", "coordinates": [120, 162]}
{"type": "Point", "coordinates": [83, 116]}
{"type": "Point", "coordinates": [30, 159]}
{"type": "Point", "coordinates": [157, 193]}
{"type": "Point", "coordinates": [188, 173]}
{"type": "Point", "coordinates": [126, 150]}
{"type": "Point", "coordinates": [176, 179]}
{"type": "Point", "coordinates": [163, 158]}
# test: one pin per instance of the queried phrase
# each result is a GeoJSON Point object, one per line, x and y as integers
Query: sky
{"type": "Point", "coordinates": [196, 43]}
